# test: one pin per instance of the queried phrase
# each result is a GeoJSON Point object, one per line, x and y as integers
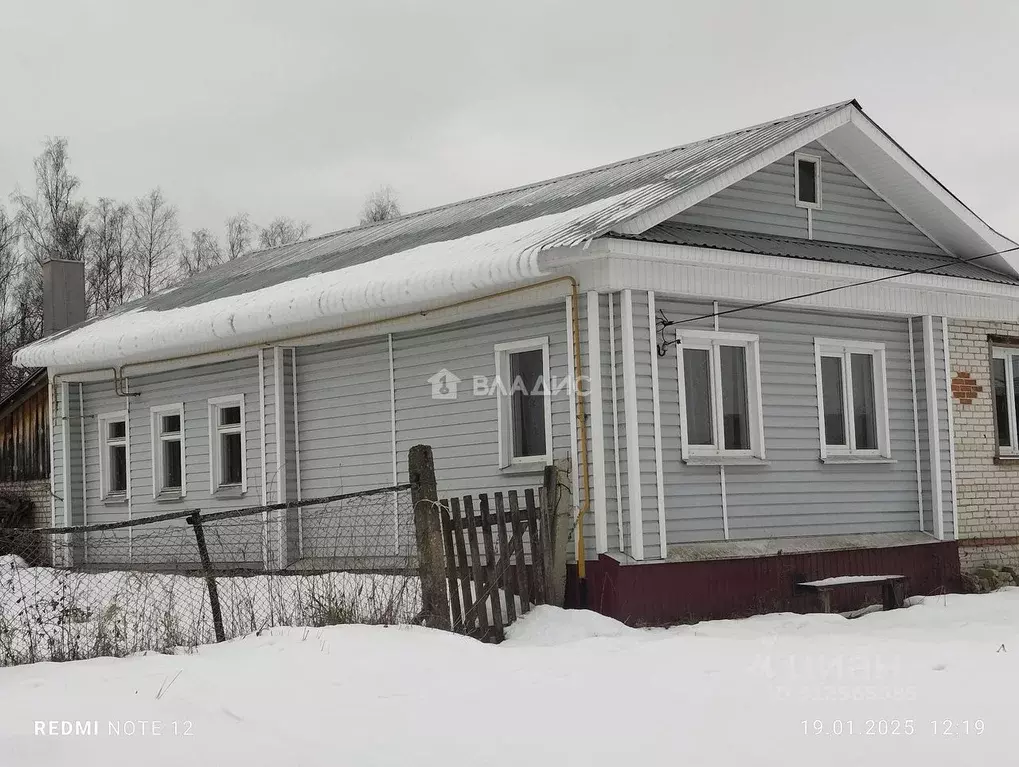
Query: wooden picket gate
{"type": "Point", "coordinates": [498, 557]}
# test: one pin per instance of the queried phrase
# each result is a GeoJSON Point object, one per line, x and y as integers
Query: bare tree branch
{"type": "Point", "coordinates": [201, 252]}
{"type": "Point", "coordinates": [283, 231]}
{"type": "Point", "coordinates": [108, 267]}
{"type": "Point", "coordinates": [240, 233]}
{"type": "Point", "coordinates": [53, 224]}
{"type": "Point", "coordinates": [380, 205]}
{"type": "Point", "coordinates": [156, 238]}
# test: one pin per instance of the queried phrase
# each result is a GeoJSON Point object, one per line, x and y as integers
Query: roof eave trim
{"type": "Point", "coordinates": [674, 205]}
{"type": "Point", "coordinates": [930, 183]}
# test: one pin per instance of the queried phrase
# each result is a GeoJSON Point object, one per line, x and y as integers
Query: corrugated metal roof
{"type": "Point", "coordinates": [427, 258]}
{"type": "Point", "coordinates": [648, 180]}
{"type": "Point", "coordinates": [817, 250]}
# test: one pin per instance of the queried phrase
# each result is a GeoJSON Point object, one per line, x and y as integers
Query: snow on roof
{"type": "Point", "coordinates": [417, 261]}
{"type": "Point", "coordinates": [429, 257]}
{"type": "Point", "coordinates": [390, 284]}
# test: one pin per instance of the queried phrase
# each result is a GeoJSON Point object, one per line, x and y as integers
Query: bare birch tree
{"type": "Point", "coordinates": [155, 236]}
{"type": "Point", "coordinates": [380, 205]}
{"type": "Point", "coordinates": [283, 231]}
{"type": "Point", "coordinates": [240, 234]}
{"type": "Point", "coordinates": [20, 301]}
{"type": "Point", "coordinates": [199, 253]}
{"type": "Point", "coordinates": [52, 222]}
{"type": "Point", "coordinates": [108, 265]}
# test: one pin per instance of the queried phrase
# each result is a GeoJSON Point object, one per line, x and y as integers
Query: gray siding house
{"type": "Point", "coordinates": [738, 346]}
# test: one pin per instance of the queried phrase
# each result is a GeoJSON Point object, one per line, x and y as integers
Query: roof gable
{"type": "Point", "coordinates": [863, 147]}
{"type": "Point", "coordinates": [851, 212]}
{"type": "Point", "coordinates": [475, 247]}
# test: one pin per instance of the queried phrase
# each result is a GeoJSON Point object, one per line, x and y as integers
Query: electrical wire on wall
{"type": "Point", "coordinates": [664, 322]}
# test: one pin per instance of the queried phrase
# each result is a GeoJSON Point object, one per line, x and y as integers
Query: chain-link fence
{"type": "Point", "coordinates": [187, 578]}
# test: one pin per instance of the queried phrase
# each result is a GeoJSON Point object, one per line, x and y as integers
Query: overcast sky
{"type": "Point", "coordinates": [301, 107]}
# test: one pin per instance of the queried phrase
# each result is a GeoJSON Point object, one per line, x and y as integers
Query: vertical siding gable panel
{"type": "Point", "coordinates": [851, 213]}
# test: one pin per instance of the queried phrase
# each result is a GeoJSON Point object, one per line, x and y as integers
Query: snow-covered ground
{"type": "Point", "coordinates": [929, 685]}
{"type": "Point", "coordinates": [54, 614]}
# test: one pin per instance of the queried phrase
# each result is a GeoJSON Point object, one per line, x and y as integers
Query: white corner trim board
{"type": "Point", "coordinates": [84, 464]}
{"type": "Point", "coordinates": [392, 438]}
{"type": "Point", "coordinates": [933, 427]}
{"type": "Point", "coordinates": [916, 423]}
{"type": "Point", "coordinates": [261, 425]}
{"type": "Point", "coordinates": [951, 425]}
{"type": "Point", "coordinates": [65, 446]}
{"type": "Point", "coordinates": [53, 396]}
{"type": "Point", "coordinates": [279, 416]}
{"type": "Point", "coordinates": [615, 420]}
{"type": "Point", "coordinates": [657, 411]}
{"type": "Point", "coordinates": [630, 420]}
{"type": "Point", "coordinates": [597, 413]}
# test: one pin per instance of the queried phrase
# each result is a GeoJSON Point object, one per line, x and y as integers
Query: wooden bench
{"type": "Point", "coordinates": [893, 588]}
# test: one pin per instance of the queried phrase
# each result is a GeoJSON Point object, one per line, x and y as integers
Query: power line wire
{"type": "Point", "coordinates": [761, 305]}
{"type": "Point", "coordinates": [664, 322]}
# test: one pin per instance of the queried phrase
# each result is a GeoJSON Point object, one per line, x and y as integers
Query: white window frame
{"type": "Point", "coordinates": [710, 340]}
{"type": "Point", "coordinates": [503, 386]}
{"type": "Point", "coordinates": [816, 160]}
{"type": "Point", "coordinates": [155, 416]}
{"type": "Point", "coordinates": [835, 347]}
{"type": "Point", "coordinates": [105, 444]}
{"type": "Point", "coordinates": [1012, 449]}
{"type": "Point", "coordinates": [215, 430]}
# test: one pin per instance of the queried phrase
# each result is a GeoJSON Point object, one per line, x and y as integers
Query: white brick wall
{"type": "Point", "coordinates": [987, 493]}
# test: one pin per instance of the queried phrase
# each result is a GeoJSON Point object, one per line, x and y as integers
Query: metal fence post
{"type": "Point", "coordinates": [428, 530]}
{"type": "Point", "coordinates": [195, 520]}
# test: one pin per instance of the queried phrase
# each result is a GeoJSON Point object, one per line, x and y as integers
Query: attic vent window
{"type": "Point", "coordinates": [808, 181]}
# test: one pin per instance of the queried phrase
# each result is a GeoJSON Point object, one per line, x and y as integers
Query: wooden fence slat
{"type": "Point", "coordinates": [537, 563]}
{"type": "Point", "coordinates": [518, 537]}
{"type": "Point", "coordinates": [504, 560]}
{"type": "Point", "coordinates": [451, 572]}
{"type": "Point", "coordinates": [490, 561]}
{"type": "Point", "coordinates": [462, 567]}
{"type": "Point", "coordinates": [480, 586]}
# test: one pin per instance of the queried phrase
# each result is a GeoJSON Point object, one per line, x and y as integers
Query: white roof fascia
{"type": "Point", "coordinates": [540, 294]}
{"type": "Point", "coordinates": [850, 166]}
{"type": "Point", "coordinates": [777, 151]}
{"type": "Point", "coordinates": [747, 278]}
{"type": "Point", "coordinates": [991, 240]}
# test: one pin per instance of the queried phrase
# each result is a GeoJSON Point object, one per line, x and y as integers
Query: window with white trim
{"type": "Point", "coordinates": [719, 394]}
{"type": "Point", "coordinates": [1004, 379]}
{"type": "Point", "coordinates": [168, 454]}
{"type": "Point", "coordinates": [113, 455]}
{"type": "Point", "coordinates": [228, 470]}
{"type": "Point", "coordinates": [524, 402]}
{"type": "Point", "coordinates": [808, 180]}
{"type": "Point", "coordinates": [852, 398]}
